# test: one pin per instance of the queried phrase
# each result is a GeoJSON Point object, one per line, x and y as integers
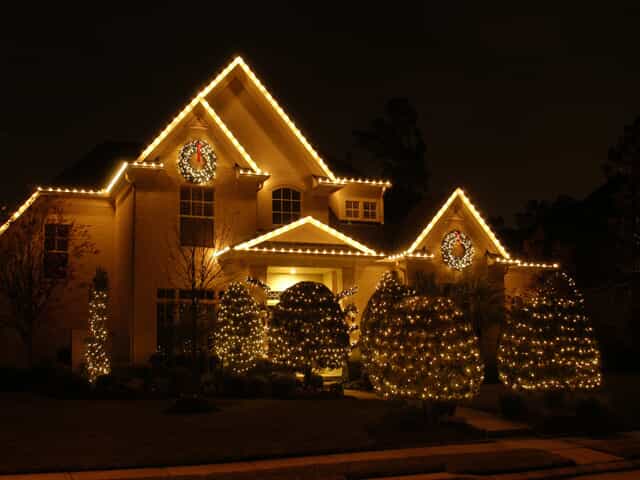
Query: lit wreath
{"type": "Point", "coordinates": [448, 242]}
{"type": "Point", "coordinates": [194, 175]}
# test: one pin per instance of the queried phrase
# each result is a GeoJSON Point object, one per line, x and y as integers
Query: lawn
{"type": "Point", "coordinates": [44, 434]}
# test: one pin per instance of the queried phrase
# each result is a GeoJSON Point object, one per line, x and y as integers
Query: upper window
{"type": "Point", "coordinates": [56, 249]}
{"type": "Point", "coordinates": [361, 210]}
{"type": "Point", "coordinates": [285, 206]}
{"type": "Point", "coordinates": [352, 209]}
{"type": "Point", "coordinates": [369, 210]}
{"type": "Point", "coordinates": [197, 216]}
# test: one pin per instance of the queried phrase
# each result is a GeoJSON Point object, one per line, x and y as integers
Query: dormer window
{"type": "Point", "coordinates": [362, 210]}
{"type": "Point", "coordinates": [369, 210]}
{"type": "Point", "coordinates": [285, 206]}
{"type": "Point", "coordinates": [352, 209]}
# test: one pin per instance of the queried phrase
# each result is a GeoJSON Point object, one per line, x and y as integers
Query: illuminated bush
{"type": "Point", "coordinates": [308, 329]}
{"type": "Point", "coordinates": [388, 292]}
{"type": "Point", "coordinates": [548, 342]}
{"type": "Point", "coordinates": [238, 338]}
{"type": "Point", "coordinates": [425, 350]}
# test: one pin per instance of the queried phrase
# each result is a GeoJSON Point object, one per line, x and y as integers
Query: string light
{"type": "Point", "coordinates": [243, 152]}
{"type": "Point", "coordinates": [97, 360]}
{"type": "Point", "coordinates": [309, 329]}
{"type": "Point", "coordinates": [239, 332]}
{"type": "Point", "coordinates": [448, 256]}
{"type": "Point", "coordinates": [522, 263]}
{"type": "Point", "coordinates": [366, 181]}
{"type": "Point", "coordinates": [459, 193]}
{"type": "Point", "coordinates": [361, 249]}
{"type": "Point", "coordinates": [74, 191]}
{"type": "Point", "coordinates": [548, 342]}
{"type": "Point", "coordinates": [419, 348]}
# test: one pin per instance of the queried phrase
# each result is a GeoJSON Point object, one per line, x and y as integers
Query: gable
{"type": "Point", "coordinates": [457, 213]}
{"type": "Point", "coordinates": [307, 235]}
{"type": "Point", "coordinates": [251, 118]}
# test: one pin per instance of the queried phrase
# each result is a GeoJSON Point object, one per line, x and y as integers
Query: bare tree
{"type": "Point", "coordinates": [195, 270]}
{"type": "Point", "coordinates": [39, 257]}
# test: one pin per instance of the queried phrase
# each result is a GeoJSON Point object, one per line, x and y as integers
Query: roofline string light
{"type": "Point", "coordinates": [344, 181]}
{"type": "Point", "coordinates": [304, 221]}
{"type": "Point", "coordinates": [459, 193]}
{"type": "Point", "coordinates": [238, 61]}
{"type": "Point", "coordinates": [103, 192]}
{"type": "Point", "coordinates": [243, 152]}
{"type": "Point", "coordinates": [520, 263]}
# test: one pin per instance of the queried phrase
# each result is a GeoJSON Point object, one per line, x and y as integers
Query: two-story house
{"type": "Point", "coordinates": [232, 174]}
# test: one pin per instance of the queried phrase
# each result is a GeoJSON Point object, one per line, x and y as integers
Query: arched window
{"type": "Point", "coordinates": [285, 206]}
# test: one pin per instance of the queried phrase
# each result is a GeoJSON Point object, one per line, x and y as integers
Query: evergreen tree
{"type": "Point", "coordinates": [238, 335]}
{"type": "Point", "coordinates": [97, 358]}
{"type": "Point", "coordinates": [548, 342]}
{"type": "Point", "coordinates": [426, 351]}
{"type": "Point", "coordinates": [389, 291]}
{"type": "Point", "coordinates": [308, 329]}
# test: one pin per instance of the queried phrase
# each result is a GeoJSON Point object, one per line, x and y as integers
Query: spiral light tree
{"type": "Point", "coordinates": [548, 343]}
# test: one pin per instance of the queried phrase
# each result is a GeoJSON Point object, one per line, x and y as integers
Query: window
{"type": "Point", "coordinates": [352, 209]}
{"type": "Point", "coordinates": [56, 249]}
{"type": "Point", "coordinates": [369, 210]}
{"type": "Point", "coordinates": [285, 206]}
{"type": "Point", "coordinates": [174, 322]}
{"type": "Point", "coordinates": [361, 210]}
{"type": "Point", "coordinates": [197, 216]}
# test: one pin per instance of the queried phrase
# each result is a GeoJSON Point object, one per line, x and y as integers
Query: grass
{"type": "Point", "coordinates": [44, 434]}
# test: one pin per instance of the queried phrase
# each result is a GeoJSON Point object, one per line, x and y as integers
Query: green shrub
{"type": "Point", "coordinates": [513, 406]}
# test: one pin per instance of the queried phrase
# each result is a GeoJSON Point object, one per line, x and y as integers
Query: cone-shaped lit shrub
{"type": "Point", "coordinates": [548, 342]}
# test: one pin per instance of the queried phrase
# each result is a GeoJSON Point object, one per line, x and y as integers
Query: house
{"type": "Point", "coordinates": [232, 175]}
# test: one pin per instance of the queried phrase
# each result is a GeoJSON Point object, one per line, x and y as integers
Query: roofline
{"type": "Point", "coordinates": [458, 192]}
{"type": "Point", "coordinates": [249, 244]}
{"type": "Point", "coordinates": [100, 193]}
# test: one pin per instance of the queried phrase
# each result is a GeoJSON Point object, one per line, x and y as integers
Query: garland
{"type": "Point", "coordinates": [448, 242]}
{"type": "Point", "coordinates": [208, 166]}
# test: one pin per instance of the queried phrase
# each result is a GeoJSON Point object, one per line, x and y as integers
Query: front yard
{"type": "Point", "coordinates": [44, 434]}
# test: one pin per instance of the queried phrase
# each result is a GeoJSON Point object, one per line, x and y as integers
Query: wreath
{"type": "Point", "coordinates": [450, 240]}
{"type": "Point", "coordinates": [205, 170]}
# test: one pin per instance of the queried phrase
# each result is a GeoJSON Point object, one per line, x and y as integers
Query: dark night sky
{"type": "Point", "coordinates": [513, 104]}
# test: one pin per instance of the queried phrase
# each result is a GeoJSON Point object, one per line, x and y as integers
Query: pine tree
{"type": "Point", "coordinates": [548, 343]}
{"type": "Point", "coordinates": [308, 329]}
{"type": "Point", "coordinates": [426, 351]}
{"type": "Point", "coordinates": [97, 358]}
{"type": "Point", "coordinates": [389, 291]}
{"type": "Point", "coordinates": [238, 335]}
